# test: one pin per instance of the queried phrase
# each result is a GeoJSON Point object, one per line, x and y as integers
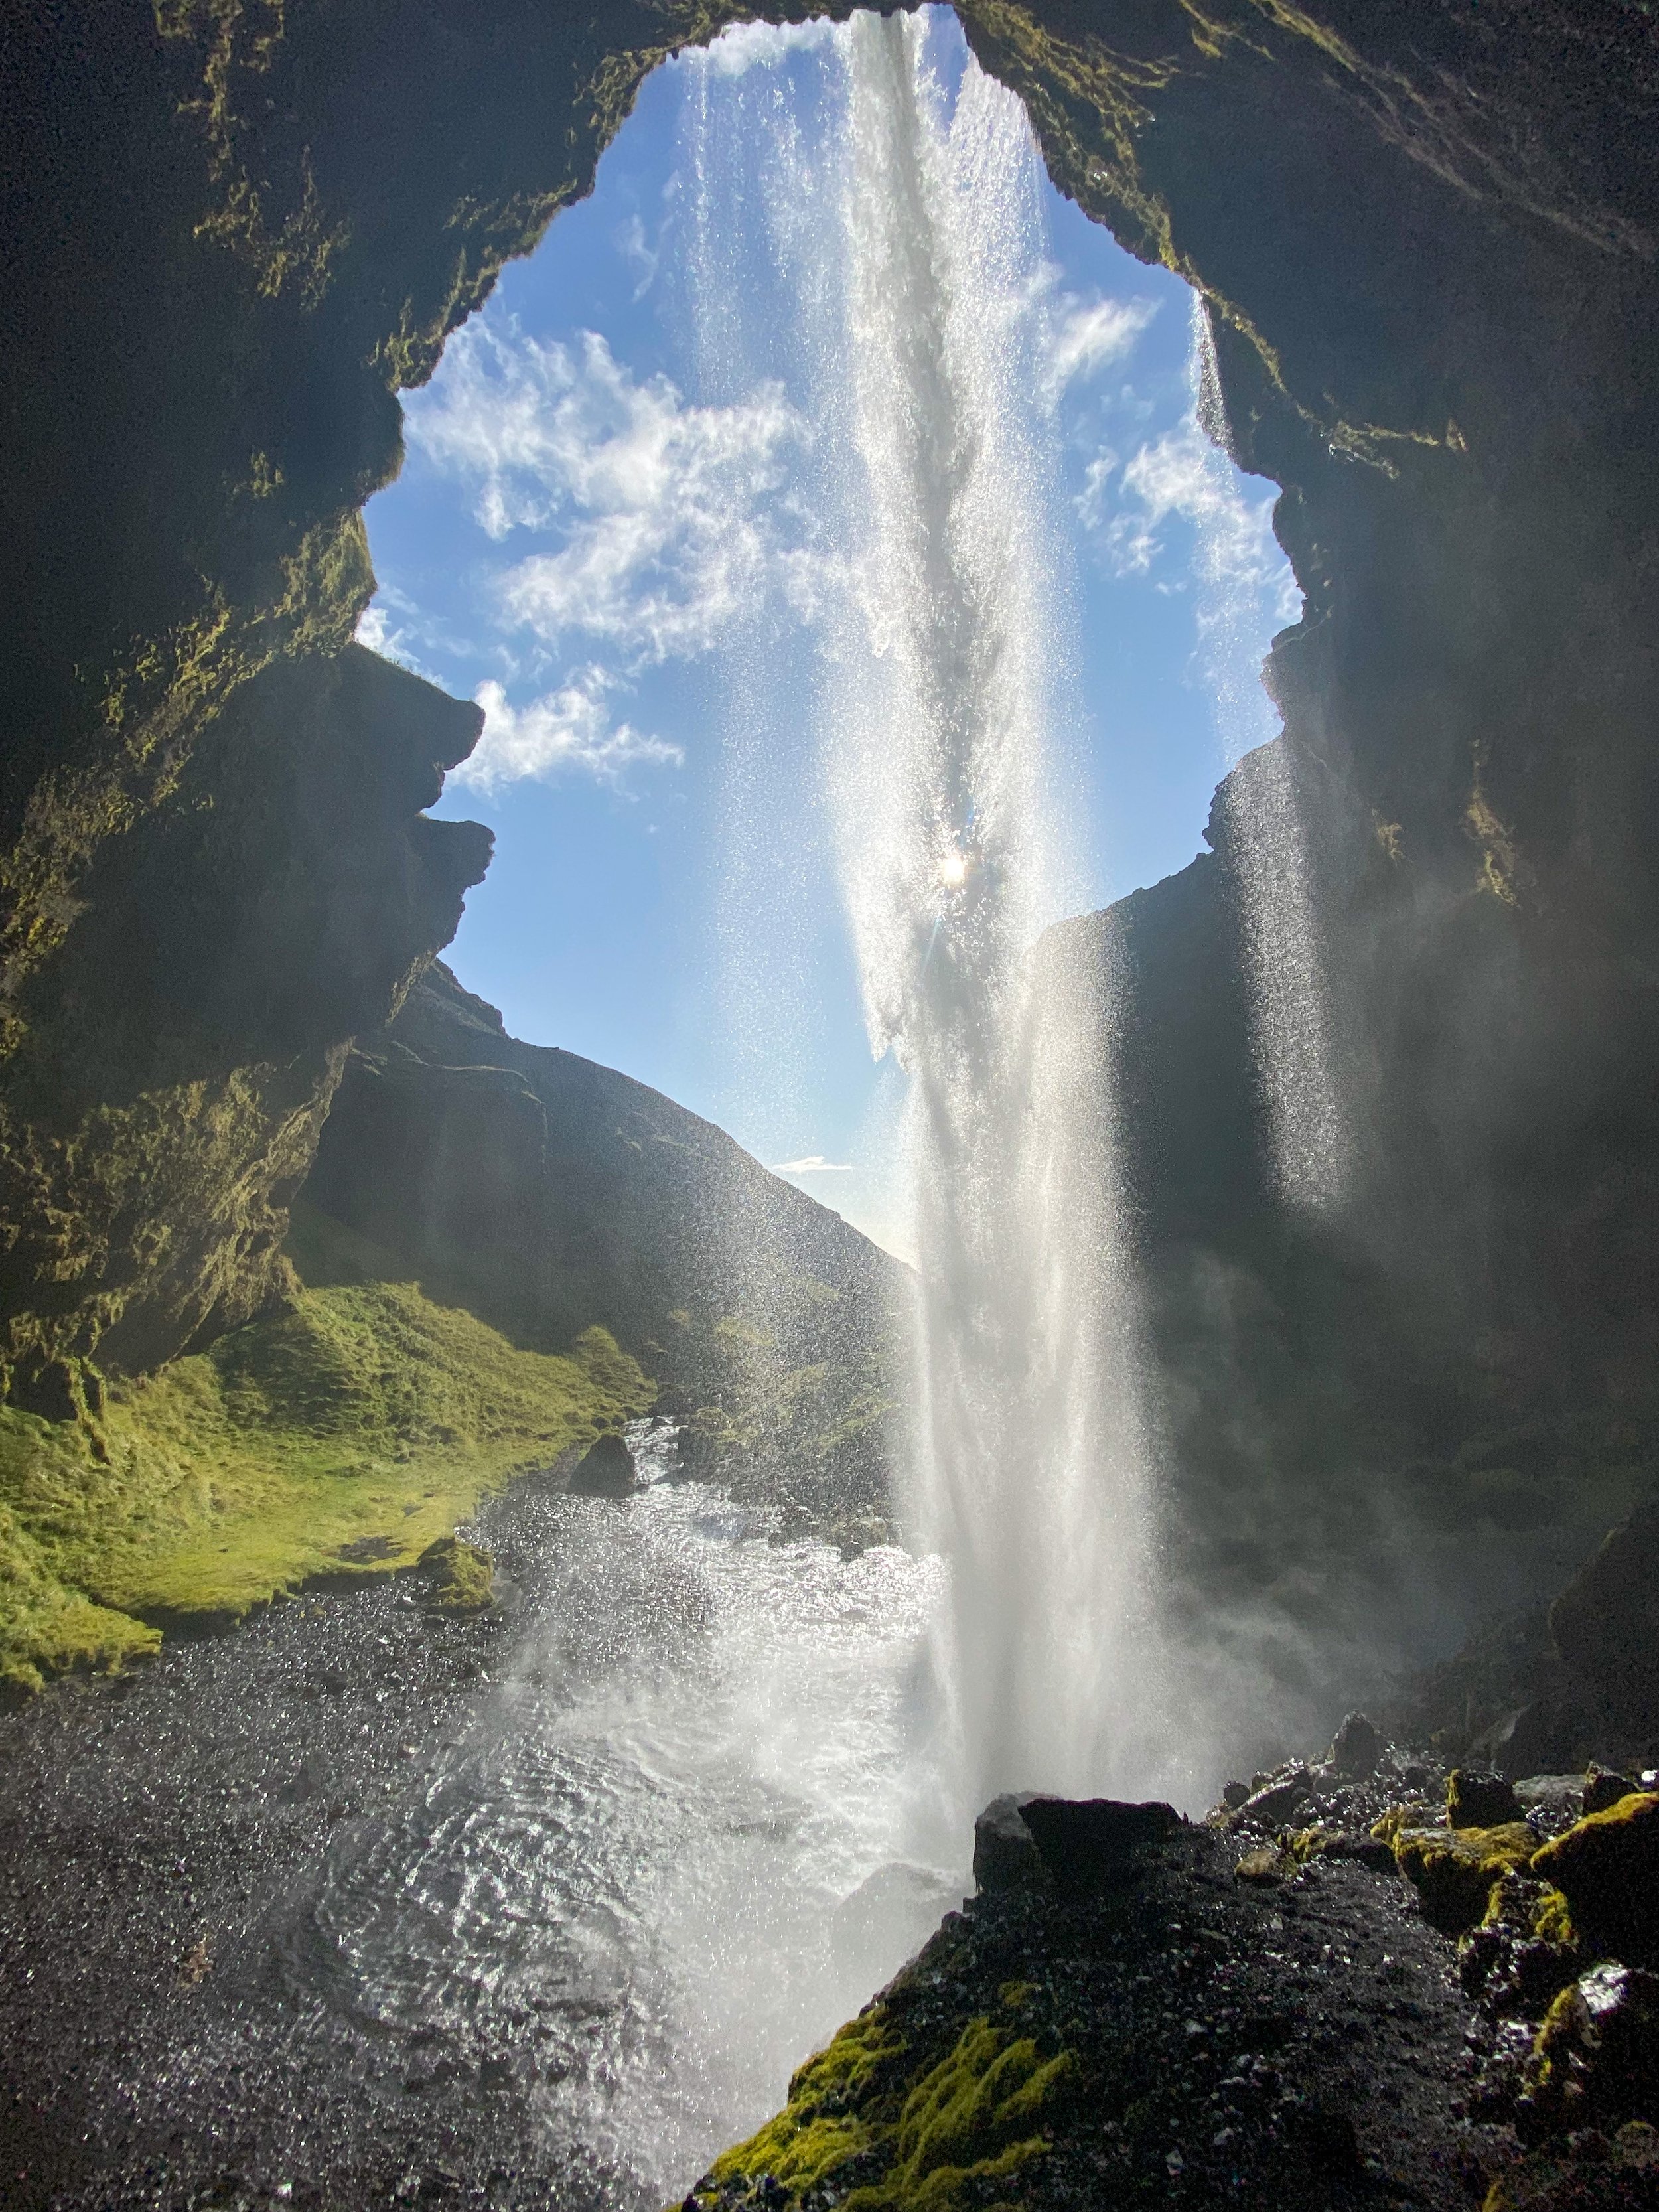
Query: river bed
{"type": "Point", "coordinates": [358, 1907]}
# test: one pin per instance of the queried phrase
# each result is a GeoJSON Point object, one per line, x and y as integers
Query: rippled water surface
{"type": "Point", "coordinates": [692, 1829]}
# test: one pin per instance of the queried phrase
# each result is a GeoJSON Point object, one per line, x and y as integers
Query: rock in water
{"type": "Point", "coordinates": [461, 1577]}
{"type": "Point", "coordinates": [607, 1471]}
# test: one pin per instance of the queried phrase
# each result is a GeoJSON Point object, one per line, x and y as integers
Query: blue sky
{"type": "Point", "coordinates": [605, 530]}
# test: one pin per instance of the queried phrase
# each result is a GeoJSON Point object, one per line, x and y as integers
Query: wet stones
{"type": "Point", "coordinates": [1597, 2054]}
{"type": "Point", "coordinates": [1479, 1800]}
{"type": "Point", "coordinates": [1356, 1750]}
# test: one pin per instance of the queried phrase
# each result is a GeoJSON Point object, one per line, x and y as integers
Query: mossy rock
{"type": "Point", "coordinates": [1607, 1866]}
{"type": "Point", "coordinates": [1476, 1799]}
{"type": "Point", "coordinates": [1596, 2056]}
{"type": "Point", "coordinates": [461, 1576]}
{"type": "Point", "coordinates": [894, 2135]}
{"type": "Point", "coordinates": [1265, 1867]}
{"type": "Point", "coordinates": [1454, 1870]}
{"type": "Point", "coordinates": [1415, 1812]}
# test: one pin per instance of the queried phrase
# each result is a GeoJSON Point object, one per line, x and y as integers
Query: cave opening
{"type": "Point", "coordinates": [576, 1762]}
{"type": "Point", "coordinates": [616, 525]}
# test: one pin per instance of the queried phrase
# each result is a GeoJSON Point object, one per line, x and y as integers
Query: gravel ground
{"type": "Point", "coordinates": [158, 1838]}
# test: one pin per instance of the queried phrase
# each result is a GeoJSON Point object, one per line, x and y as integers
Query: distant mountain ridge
{"type": "Point", "coordinates": [547, 1195]}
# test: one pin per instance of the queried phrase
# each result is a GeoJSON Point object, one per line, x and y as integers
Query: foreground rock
{"type": "Point", "coordinates": [1098, 2027]}
{"type": "Point", "coordinates": [1254, 2013]}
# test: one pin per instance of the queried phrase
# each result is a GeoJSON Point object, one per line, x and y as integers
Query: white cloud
{"type": "Point", "coordinates": [378, 631]}
{"type": "Point", "coordinates": [673, 518]}
{"type": "Point", "coordinates": [1087, 335]}
{"type": "Point", "coordinates": [631, 245]}
{"type": "Point", "coordinates": [566, 730]}
{"type": "Point", "coordinates": [740, 47]}
{"type": "Point", "coordinates": [1183, 475]}
{"type": "Point", "coordinates": [814, 1164]}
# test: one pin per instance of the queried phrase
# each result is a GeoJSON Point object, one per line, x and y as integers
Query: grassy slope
{"type": "Point", "coordinates": [367, 1422]}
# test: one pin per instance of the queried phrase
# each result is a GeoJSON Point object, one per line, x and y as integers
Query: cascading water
{"type": "Point", "coordinates": [1029, 1462]}
{"type": "Point", "coordinates": [918, 310]}
{"type": "Point", "coordinates": [1309, 1134]}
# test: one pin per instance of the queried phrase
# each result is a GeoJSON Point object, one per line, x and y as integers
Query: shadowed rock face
{"type": "Point", "coordinates": [546, 1193]}
{"type": "Point", "coordinates": [1427, 233]}
{"type": "Point", "coordinates": [176, 1057]}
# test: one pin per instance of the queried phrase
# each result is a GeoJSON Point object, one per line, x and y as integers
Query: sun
{"type": "Point", "coordinates": [953, 870]}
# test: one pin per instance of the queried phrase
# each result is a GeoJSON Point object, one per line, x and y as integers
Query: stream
{"type": "Point", "coordinates": [357, 1906]}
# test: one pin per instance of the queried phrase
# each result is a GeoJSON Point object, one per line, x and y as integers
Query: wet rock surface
{"type": "Point", "coordinates": [1302, 2044]}
{"type": "Point", "coordinates": [1375, 2007]}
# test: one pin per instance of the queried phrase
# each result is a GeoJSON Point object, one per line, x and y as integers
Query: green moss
{"type": "Point", "coordinates": [1607, 1866]}
{"type": "Point", "coordinates": [461, 1575]}
{"type": "Point", "coordinates": [1455, 1869]}
{"type": "Point", "coordinates": [818, 2131]}
{"type": "Point", "coordinates": [344, 1438]}
{"type": "Point", "coordinates": [930, 2139]}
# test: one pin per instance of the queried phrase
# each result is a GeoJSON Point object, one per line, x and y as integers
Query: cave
{"type": "Point", "coordinates": [1424, 236]}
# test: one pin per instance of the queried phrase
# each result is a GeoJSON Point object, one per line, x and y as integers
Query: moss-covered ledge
{"type": "Point", "coordinates": [341, 1439]}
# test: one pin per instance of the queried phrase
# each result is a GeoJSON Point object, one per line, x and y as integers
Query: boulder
{"type": "Point", "coordinates": [607, 1470]}
{"type": "Point", "coordinates": [1273, 1805]}
{"type": "Point", "coordinates": [1026, 1841]}
{"type": "Point", "coordinates": [1479, 1800]}
{"type": "Point", "coordinates": [1454, 1869]}
{"type": "Point", "coordinates": [1596, 2058]}
{"type": "Point", "coordinates": [1603, 1789]}
{"type": "Point", "coordinates": [1355, 1749]}
{"type": "Point", "coordinates": [1607, 1868]}
{"type": "Point", "coordinates": [1086, 1843]}
{"type": "Point", "coordinates": [1005, 1856]}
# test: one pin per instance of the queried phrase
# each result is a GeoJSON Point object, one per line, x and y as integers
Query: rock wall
{"type": "Point", "coordinates": [230, 233]}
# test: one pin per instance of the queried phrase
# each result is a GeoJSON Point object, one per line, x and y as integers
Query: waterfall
{"type": "Point", "coordinates": [1309, 1135]}
{"type": "Point", "coordinates": [916, 301]}
{"type": "Point", "coordinates": [1029, 1463]}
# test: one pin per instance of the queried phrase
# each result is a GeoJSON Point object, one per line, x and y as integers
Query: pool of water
{"type": "Point", "coordinates": [693, 1825]}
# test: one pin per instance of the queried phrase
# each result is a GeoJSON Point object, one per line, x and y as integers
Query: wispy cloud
{"type": "Point", "coordinates": [569, 730]}
{"type": "Point", "coordinates": [1087, 335]}
{"type": "Point", "coordinates": [631, 245]}
{"type": "Point", "coordinates": [1181, 475]}
{"type": "Point", "coordinates": [814, 1164]}
{"type": "Point", "coordinates": [379, 630]}
{"type": "Point", "coordinates": [673, 519]}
